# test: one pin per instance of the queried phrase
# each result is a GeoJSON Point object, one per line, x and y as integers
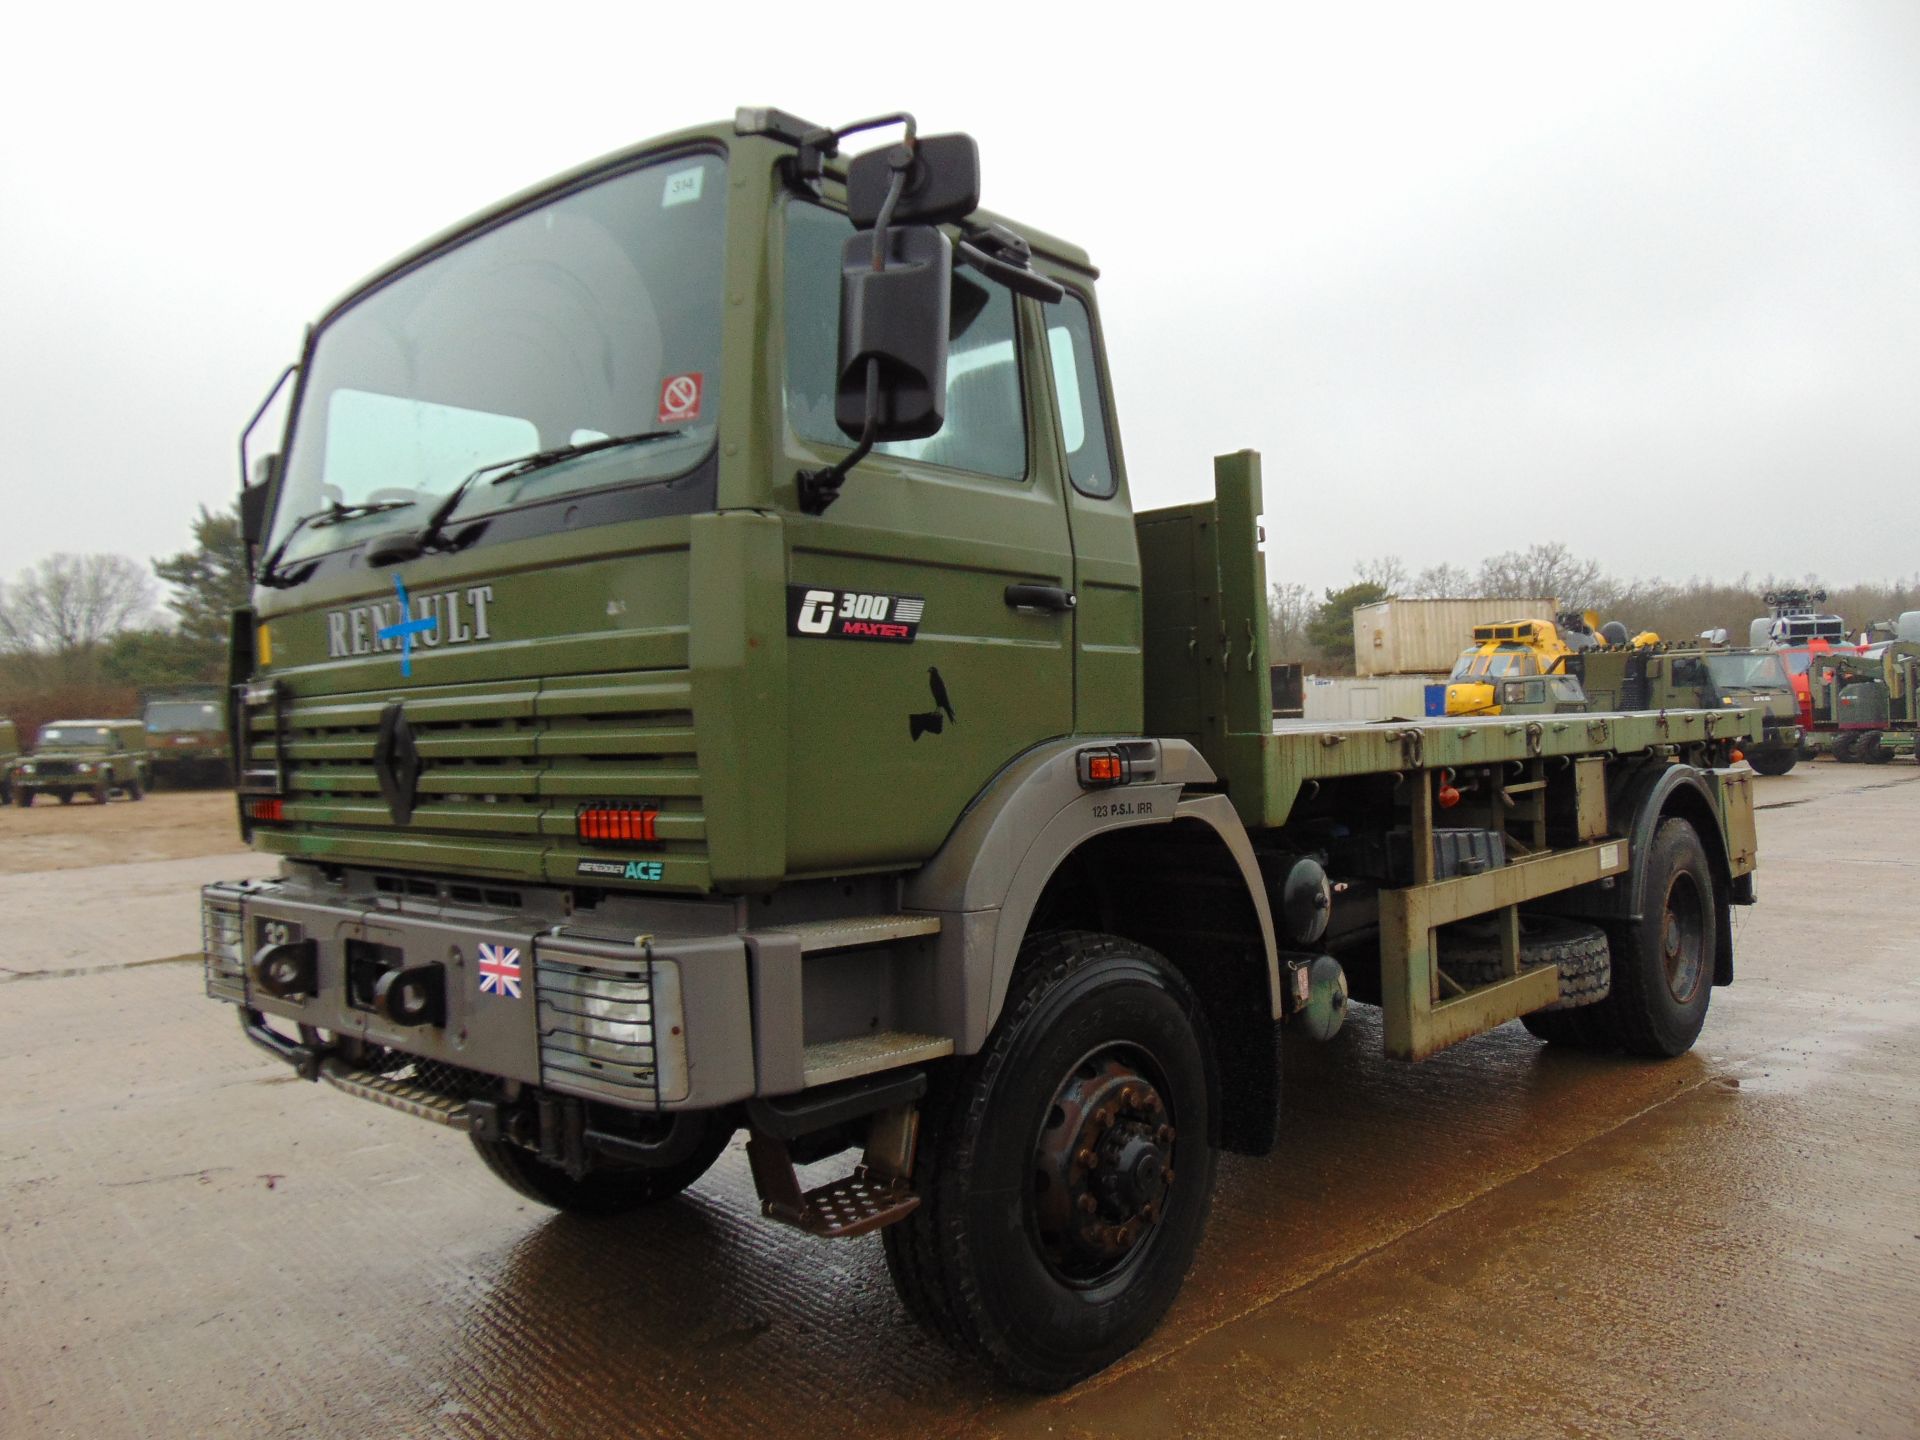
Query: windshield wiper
{"type": "Point", "coordinates": [329, 515]}
{"type": "Point", "coordinates": [541, 459]}
{"type": "Point", "coordinates": [406, 546]}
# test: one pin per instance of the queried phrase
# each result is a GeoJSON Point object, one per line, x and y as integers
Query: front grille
{"type": "Point", "coordinates": [53, 767]}
{"type": "Point", "coordinates": [612, 1029]}
{"type": "Point", "coordinates": [504, 768]}
{"type": "Point", "coordinates": [223, 946]}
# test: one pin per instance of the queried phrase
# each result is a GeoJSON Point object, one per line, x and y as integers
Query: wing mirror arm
{"type": "Point", "coordinates": [820, 488]}
{"type": "Point", "coordinates": [999, 254]}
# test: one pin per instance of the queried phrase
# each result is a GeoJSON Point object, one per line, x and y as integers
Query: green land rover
{"type": "Point", "coordinates": [84, 757]}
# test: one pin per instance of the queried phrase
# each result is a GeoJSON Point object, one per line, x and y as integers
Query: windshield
{"type": "Point", "coordinates": [1507, 660]}
{"type": "Point", "coordinates": [75, 735]}
{"type": "Point", "coordinates": [595, 315]}
{"type": "Point", "coordinates": [164, 716]}
{"type": "Point", "coordinates": [1747, 672]}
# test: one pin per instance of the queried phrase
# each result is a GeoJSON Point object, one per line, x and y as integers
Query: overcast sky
{"type": "Point", "coordinates": [1643, 279]}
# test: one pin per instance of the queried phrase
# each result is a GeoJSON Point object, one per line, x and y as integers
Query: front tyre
{"type": "Point", "coordinates": [1772, 762]}
{"type": "Point", "coordinates": [1066, 1171]}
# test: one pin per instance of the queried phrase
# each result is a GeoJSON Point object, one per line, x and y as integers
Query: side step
{"type": "Point", "coordinates": [855, 931]}
{"type": "Point", "coordinates": [833, 1060]}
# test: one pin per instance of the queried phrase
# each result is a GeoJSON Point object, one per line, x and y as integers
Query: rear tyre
{"type": "Point", "coordinates": [600, 1192]}
{"type": "Point", "coordinates": [22, 797]}
{"type": "Point", "coordinates": [1662, 963]}
{"type": "Point", "coordinates": [1065, 1172]}
{"type": "Point", "coordinates": [1869, 749]}
{"type": "Point", "coordinates": [100, 793]}
{"type": "Point", "coordinates": [135, 790]}
{"type": "Point", "coordinates": [1772, 762]}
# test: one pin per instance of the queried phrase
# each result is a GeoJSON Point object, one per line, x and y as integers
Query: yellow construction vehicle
{"type": "Point", "coordinates": [1514, 649]}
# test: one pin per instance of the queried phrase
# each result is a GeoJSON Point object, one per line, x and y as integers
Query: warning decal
{"type": "Point", "coordinates": [680, 398]}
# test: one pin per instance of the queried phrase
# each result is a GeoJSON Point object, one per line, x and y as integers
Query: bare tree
{"type": "Point", "coordinates": [1445, 581]}
{"type": "Point", "coordinates": [1546, 571]}
{"type": "Point", "coordinates": [1389, 572]}
{"type": "Point", "coordinates": [68, 604]}
{"type": "Point", "coordinates": [1289, 607]}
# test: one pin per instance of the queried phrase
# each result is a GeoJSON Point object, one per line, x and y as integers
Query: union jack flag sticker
{"type": "Point", "coordinates": [500, 971]}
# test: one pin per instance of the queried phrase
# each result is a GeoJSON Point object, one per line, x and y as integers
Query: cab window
{"type": "Point", "coordinates": [1083, 410]}
{"type": "Point", "coordinates": [985, 430]}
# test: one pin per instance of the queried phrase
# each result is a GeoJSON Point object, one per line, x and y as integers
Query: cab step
{"type": "Point", "coordinates": [854, 931]}
{"type": "Point", "coordinates": [833, 1060]}
{"type": "Point", "coordinates": [860, 1202]}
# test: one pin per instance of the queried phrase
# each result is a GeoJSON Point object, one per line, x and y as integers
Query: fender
{"type": "Point", "coordinates": [985, 881]}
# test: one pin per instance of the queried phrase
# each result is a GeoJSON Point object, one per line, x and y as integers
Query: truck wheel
{"type": "Point", "coordinates": [23, 798]}
{"type": "Point", "coordinates": [1772, 762]}
{"type": "Point", "coordinates": [1870, 749]}
{"type": "Point", "coordinates": [1843, 749]}
{"type": "Point", "coordinates": [1662, 963]}
{"type": "Point", "coordinates": [1471, 954]}
{"type": "Point", "coordinates": [66, 797]}
{"type": "Point", "coordinates": [100, 793]}
{"type": "Point", "coordinates": [611, 1191]}
{"type": "Point", "coordinates": [1066, 1171]}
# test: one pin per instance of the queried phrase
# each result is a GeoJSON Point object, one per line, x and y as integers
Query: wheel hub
{"type": "Point", "coordinates": [1102, 1167]}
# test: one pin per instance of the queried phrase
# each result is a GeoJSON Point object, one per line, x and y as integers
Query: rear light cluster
{"type": "Point", "coordinates": [604, 824]}
{"type": "Point", "coordinates": [275, 809]}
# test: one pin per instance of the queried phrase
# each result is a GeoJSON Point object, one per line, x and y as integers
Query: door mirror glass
{"type": "Point", "coordinates": [893, 334]}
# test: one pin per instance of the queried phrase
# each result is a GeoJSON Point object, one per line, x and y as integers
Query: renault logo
{"type": "Point", "coordinates": [396, 761]}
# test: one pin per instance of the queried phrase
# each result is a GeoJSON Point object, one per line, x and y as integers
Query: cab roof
{"type": "Point", "coordinates": [722, 134]}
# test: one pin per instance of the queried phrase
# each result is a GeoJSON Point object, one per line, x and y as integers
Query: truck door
{"type": "Point", "coordinates": [916, 670]}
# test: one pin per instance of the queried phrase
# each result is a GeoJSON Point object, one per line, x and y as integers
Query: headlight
{"type": "Point", "coordinates": [84, 768]}
{"type": "Point", "coordinates": [27, 769]}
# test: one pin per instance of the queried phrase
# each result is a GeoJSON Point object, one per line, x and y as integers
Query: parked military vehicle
{"type": "Point", "coordinates": [1793, 621]}
{"type": "Point", "coordinates": [9, 756]}
{"type": "Point", "coordinates": [1868, 701]}
{"type": "Point", "coordinates": [706, 673]}
{"type": "Point", "coordinates": [84, 757]}
{"type": "Point", "coordinates": [187, 737]}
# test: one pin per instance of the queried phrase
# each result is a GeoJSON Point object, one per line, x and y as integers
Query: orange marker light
{"type": "Point", "coordinates": [1104, 768]}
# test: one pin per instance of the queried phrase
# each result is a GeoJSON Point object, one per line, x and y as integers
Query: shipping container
{"type": "Point", "coordinates": [1363, 698]}
{"type": "Point", "coordinates": [1421, 637]}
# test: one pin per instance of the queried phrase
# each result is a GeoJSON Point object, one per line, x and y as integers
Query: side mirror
{"type": "Point", "coordinates": [256, 500]}
{"type": "Point", "coordinates": [894, 319]}
{"type": "Point", "coordinates": [942, 184]}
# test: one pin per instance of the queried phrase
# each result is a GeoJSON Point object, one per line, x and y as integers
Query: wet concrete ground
{"type": "Point", "coordinates": [1505, 1240]}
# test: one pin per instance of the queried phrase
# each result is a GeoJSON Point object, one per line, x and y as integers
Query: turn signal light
{"type": "Point", "coordinates": [275, 809]}
{"type": "Point", "coordinates": [616, 824]}
{"type": "Point", "coordinates": [1103, 767]}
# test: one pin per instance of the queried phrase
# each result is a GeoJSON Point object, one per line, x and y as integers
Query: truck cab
{"type": "Point", "coordinates": [187, 737]}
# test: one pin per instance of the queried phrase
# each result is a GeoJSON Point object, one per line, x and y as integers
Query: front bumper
{"type": "Point", "coordinates": [355, 988]}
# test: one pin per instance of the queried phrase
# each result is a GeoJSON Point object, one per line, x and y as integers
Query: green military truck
{"type": "Point", "coordinates": [706, 674]}
{"type": "Point", "coordinates": [9, 756]}
{"type": "Point", "coordinates": [84, 757]}
{"type": "Point", "coordinates": [187, 737]}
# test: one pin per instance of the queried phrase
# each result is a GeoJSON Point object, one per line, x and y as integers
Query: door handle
{"type": "Point", "coordinates": [1040, 597]}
